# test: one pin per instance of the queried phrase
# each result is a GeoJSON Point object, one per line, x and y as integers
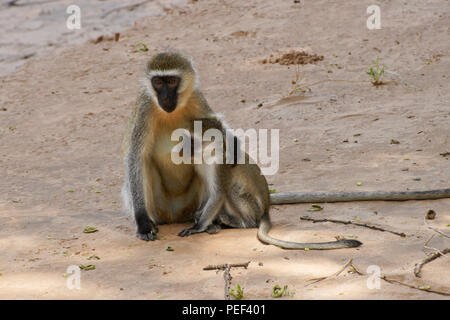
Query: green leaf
{"type": "Point", "coordinates": [141, 47]}
{"type": "Point", "coordinates": [90, 229]}
{"type": "Point", "coordinates": [88, 267]}
{"type": "Point", "coordinates": [277, 291]}
{"type": "Point", "coordinates": [239, 294]}
{"type": "Point", "coordinates": [315, 207]}
{"type": "Point", "coordinates": [273, 191]}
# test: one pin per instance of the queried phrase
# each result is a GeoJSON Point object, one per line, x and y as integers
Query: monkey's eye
{"type": "Point", "coordinates": [157, 82]}
{"type": "Point", "coordinates": [173, 81]}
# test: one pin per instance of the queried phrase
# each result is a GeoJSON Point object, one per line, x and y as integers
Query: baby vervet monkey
{"type": "Point", "coordinates": [221, 190]}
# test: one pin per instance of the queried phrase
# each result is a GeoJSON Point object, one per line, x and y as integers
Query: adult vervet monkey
{"type": "Point", "coordinates": [159, 191]}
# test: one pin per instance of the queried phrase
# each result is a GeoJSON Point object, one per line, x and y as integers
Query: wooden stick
{"type": "Point", "coordinates": [227, 277]}
{"type": "Point", "coordinates": [401, 234]}
{"type": "Point", "coordinates": [435, 229]}
{"type": "Point", "coordinates": [445, 293]}
{"type": "Point", "coordinates": [226, 274]}
{"type": "Point", "coordinates": [315, 280]}
{"type": "Point", "coordinates": [225, 266]}
{"type": "Point", "coordinates": [418, 266]}
{"type": "Point", "coordinates": [129, 7]}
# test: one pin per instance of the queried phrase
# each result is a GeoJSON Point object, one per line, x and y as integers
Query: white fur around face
{"type": "Point", "coordinates": [147, 82]}
{"type": "Point", "coordinates": [163, 73]}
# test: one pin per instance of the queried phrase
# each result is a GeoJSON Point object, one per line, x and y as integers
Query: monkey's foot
{"type": "Point", "coordinates": [211, 229]}
{"type": "Point", "coordinates": [146, 236]}
{"type": "Point", "coordinates": [149, 234]}
{"type": "Point", "coordinates": [146, 229]}
{"type": "Point", "coordinates": [193, 230]}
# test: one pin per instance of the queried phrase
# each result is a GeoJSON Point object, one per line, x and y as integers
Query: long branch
{"type": "Point", "coordinates": [418, 266]}
{"type": "Point", "coordinates": [129, 7]}
{"type": "Point", "coordinates": [427, 289]}
{"type": "Point", "coordinates": [401, 234]}
{"type": "Point", "coordinates": [224, 266]}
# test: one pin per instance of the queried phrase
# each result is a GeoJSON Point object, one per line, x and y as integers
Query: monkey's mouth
{"type": "Point", "coordinates": [168, 107]}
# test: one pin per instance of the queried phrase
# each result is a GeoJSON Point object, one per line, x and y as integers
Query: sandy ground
{"type": "Point", "coordinates": [33, 28]}
{"type": "Point", "coordinates": [63, 116]}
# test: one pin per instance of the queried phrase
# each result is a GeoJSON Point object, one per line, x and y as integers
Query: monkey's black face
{"type": "Point", "coordinates": [166, 87]}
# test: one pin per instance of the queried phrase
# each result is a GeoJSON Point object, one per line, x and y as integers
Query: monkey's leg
{"type": "Point", "coordinates": [213, 227]}
{"type": "Point", "coordinates": [207, 217]}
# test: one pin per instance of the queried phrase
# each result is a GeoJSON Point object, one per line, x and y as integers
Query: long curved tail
{"type": "Point", "coordinates": [317, 197]}
{"type": "Point", "coordinates": [263, 236]}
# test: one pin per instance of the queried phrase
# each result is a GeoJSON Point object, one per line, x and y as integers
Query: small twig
{"type": "Point", "coordinates": [425, 245]}
{"type": "Point", "coordinates": [435, 250]}
{"type": "Point", "coordinates": [445, 293]}
{"type": "Point", "coordinates": [435, 229]}
{"type": "Point", "coordinates": [226, 274]}
{"type": "Point", "coordinates": [356, 270]}
{"type": "Point", "coordinates": [418, 266]}
{"type": "Point", "coordinates": [334, 80]}
{"type": "Point", "coordinates": [227, 277]}
{"type": "Point", "coordinates": [426, 242]}
{"type": "Point", "coordinates": [224, 266]}
{"type": "Point", "coordinates": [401, 234]}
{"type": "Point", "coordinates": [129, 7]}
{"type": "Point", "coordinates": [315, 280]}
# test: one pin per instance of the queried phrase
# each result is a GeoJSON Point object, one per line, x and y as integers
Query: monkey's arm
{"type": "Point", "coordinates": [211, 176]}
{"type": "Point", "coordinates": [146, 229]}
{"type": "Point", "coordinates": [298, 197]}
{"type": "Point", "coordinates": [134, 185]}
{"type": "Point", "coordinates": [207, 216]}
{"type": "Point", "coordinates": [230, 155]}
